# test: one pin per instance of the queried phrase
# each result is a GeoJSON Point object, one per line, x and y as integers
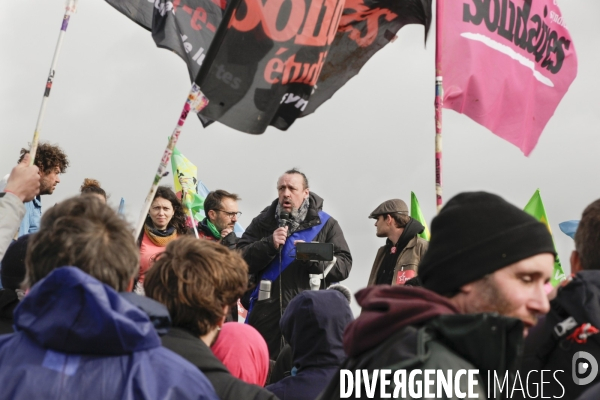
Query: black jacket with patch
{"type": "Point", "coordinates": [553, 342]}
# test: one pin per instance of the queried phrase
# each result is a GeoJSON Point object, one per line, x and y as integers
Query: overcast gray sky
{"type": "Point", "coordinates": [116, 98]}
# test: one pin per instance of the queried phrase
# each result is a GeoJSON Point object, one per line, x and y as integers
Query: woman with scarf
{"type": "Point", "coordinates": [165, 222]}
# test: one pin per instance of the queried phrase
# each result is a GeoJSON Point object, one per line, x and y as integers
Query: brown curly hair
{"type": "Point", "coordinates": [48, 157]}
{"type": "Point", "coordinates": [195, 279]}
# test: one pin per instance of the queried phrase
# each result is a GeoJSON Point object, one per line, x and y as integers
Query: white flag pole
{"type": "Point", "coordinates": [195, 102]}
{"type": "Point", "coordinates": [70, 9]}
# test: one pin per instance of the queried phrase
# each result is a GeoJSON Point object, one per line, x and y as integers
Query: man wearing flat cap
{"type": "Point", "coordinates": [398, 260]}
{"type": "Point", "coordinates": [483, 280]}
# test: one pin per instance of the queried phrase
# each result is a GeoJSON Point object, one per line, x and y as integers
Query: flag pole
{"type": "Point", "coordinates": [195, 102]}
{"type": "Point", "coordinates": [439, 102]}
{"type": "Point", "coordinates": [193, 224]}
{"type": "Point", "coordinates": [70, 9]}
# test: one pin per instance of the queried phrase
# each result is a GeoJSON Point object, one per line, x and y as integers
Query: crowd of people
{"type": "Point", "coordinates": [91, 309]}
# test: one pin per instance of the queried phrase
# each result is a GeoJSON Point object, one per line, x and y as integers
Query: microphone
{"type": "Point", "coordinates": [284, 216]}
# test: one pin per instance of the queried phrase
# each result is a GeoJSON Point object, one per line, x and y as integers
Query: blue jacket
{"type": "Point", "coordinates": [313, 324]}
{"type": "Point", "coordinates": [33, 217]}
{"type": "Point", "coordinates": [76, 338]}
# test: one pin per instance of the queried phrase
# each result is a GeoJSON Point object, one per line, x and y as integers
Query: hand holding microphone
{"type": "Point", "coordinates": [281, 233]}
{"type": "Point", "coordinates": [279, 236]}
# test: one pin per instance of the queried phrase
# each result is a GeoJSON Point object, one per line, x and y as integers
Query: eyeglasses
{"type": "Point", "coordinates": [231, 214]}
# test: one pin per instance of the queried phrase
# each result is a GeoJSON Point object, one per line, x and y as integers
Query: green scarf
{"type": "Point", "coordinates": [213, 229]}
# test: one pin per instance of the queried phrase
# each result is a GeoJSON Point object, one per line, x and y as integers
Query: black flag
{"type": "Point", "coordinates": [268, 62]}
{"type": "Point", "coordinates": [186, 27]}
{"type": "Point", "coordinates": [366, 26]}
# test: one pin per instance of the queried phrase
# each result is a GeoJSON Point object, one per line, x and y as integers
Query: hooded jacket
{"type": "Point", "coordinates": [411, 328]}
{"type": "Point", "coordinates": [76, 338]}
{"type": "Point", "coordinates": [197, 352]}
{"type": "Point", "coordinates": [572, 325]}
{"type": "Point", "coordinates": [244, 352]}
{"type": "Point", "coordinates": [313, 325]}
{"type": "Point", "coordinates": [258, 251]}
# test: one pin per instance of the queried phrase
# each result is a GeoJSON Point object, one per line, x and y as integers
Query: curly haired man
{"type": "Point", "coordinates": [51, 161]}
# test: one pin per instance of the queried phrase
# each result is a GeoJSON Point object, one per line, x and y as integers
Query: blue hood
{"type": "Point", "coordinates": [313, 324]}
{"type": "Point", "coordinates": [72, 312]}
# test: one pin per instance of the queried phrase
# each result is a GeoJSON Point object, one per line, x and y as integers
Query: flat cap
{"type": "Point", "coordinates": [390, 207]}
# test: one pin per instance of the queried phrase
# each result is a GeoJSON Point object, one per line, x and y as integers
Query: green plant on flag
{"type": "Point", "coordinates": [535, 208]}
{"type": "Point", "coordinates": [416, 213]}
{"type": "Point", "coordinates": [185, 180]}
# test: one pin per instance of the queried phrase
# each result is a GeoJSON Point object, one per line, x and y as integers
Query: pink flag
{"type": "Point", "coordinates": [506, 64]}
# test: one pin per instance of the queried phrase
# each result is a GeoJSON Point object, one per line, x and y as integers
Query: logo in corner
{"type": "Point", "coordinates": [580, 367]}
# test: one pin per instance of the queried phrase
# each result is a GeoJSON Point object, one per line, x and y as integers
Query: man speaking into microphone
{"type": "Point", "coordinates": [268, 246]}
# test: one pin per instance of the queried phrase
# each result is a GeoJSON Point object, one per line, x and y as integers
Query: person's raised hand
{"type": "Point", "coordinates": [225, 232]}
{"type": "Point", "coordinates": [24, 180]}
{"type": "Point", "coordinates": [279, 236]}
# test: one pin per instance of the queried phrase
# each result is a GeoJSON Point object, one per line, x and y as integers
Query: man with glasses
{"type": "Point", "coordinates": [397, 261]}
{"type": "Point", "coordinates": [221, 210]}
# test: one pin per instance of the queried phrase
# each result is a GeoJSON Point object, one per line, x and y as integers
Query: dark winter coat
{"type": "Point", "coordinates": [553, 342]}
{"type": "Point", "coordinates": [410, 328]}
{"type": "Point", "coordinates": [313, 325]}
{"type": "Point", "coordinates": [76, 338]}
{"type": "Point", "coordinates": [282, 367]}
{"type": "Point", "coordinates": [228, 241]}
{"type": "Point", "coordinates": [258, 251]}
{"type": "Point", "coordinates": [409, 258]}
{"type": "Point", "coordinates": [8, 302]}
{"type": "Point", "coordinates": [198, 353]}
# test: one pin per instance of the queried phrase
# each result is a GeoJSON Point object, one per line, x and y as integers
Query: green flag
{"type": "Point", "coordinates": [185, 179]}
{"type": "Point", "coordinates": [190, 189]}
{"type": "Point", "coordinates": [416, 213]}
{"type": "Point", "coordinates": [535, 208]}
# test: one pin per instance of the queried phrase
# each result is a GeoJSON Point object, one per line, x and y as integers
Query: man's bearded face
{"type": "Point", "coordinates": [291, 191]}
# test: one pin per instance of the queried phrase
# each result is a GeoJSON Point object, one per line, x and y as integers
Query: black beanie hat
{"type": "Point", "coordinates": [13, 264]}
{"type": "Point", "coordinates": [475, 234]}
